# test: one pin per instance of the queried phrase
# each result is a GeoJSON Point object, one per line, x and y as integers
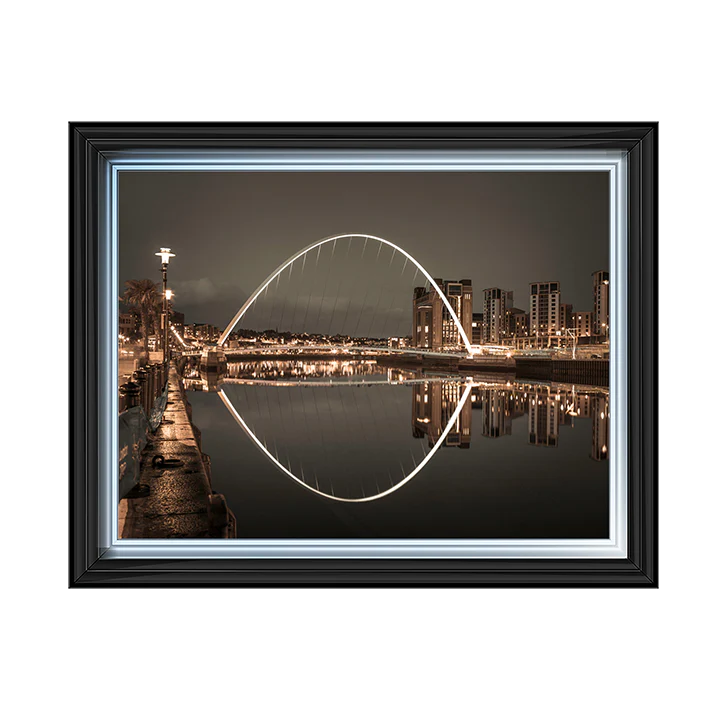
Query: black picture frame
{"type": "Point", "coordinates": [90, 566]}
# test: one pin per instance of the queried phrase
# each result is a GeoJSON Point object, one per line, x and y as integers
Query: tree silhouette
{"type": "Point", "coordinates": [144, 297]}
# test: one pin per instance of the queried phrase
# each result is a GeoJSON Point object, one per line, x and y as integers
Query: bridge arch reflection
{"type": "Point", "coordinates": [465, 390]}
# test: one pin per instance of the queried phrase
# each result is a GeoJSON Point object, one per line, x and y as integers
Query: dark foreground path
{"type": "Point", "coordinates": [181, 503]}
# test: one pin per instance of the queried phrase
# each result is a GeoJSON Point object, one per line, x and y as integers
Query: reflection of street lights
{"type": "Point", "coordinates": [166, 256]}
{"type": "Point", "coordinates": [570, 408]}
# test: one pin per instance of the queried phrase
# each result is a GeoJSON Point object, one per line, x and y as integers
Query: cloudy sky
{"type": "Point", "coordinates": [230, 230]}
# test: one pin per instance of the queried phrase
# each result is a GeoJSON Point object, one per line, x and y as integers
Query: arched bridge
{"type": "Point", "coordinates": [308, 258]}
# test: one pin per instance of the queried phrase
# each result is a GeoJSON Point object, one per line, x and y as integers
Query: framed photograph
{"type": "Point", "coordinates": [363, 354]}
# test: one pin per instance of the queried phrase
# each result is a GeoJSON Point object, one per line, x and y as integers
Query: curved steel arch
{"type": "Point", "coordinates": [329, 239]}
{"type": "Point", "coordinates": [452, 420]}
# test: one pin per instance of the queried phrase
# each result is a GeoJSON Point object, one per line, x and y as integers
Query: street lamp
{"type": "Point", "coordinates": [166, 256]}
{"type": "Point", "coordinates": [574, 341]}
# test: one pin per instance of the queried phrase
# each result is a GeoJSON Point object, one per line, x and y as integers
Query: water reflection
{"type": "Point", "coordinates": [433, 404]}
{"type": "Point", "coordinates": [296, 369]}
{"type": "Point", "coordinates": [336, 426]}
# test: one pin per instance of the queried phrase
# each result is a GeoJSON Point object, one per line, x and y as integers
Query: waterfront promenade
{"type": "Point", "coordinates": [181, 503]}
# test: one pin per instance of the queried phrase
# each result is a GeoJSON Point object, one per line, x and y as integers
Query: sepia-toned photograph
{"type": "Point", "coordinates": [350, 355]}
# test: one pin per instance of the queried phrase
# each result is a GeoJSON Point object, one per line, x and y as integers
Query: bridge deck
{"type": "Point", "coordinates": [280, 348]}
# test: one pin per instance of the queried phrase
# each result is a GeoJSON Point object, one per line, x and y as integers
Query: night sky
{"type": "Point", "coordinates": [230, 230]}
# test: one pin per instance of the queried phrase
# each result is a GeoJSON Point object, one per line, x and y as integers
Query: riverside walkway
{"type": "Point", "coordinates": [181, 503]}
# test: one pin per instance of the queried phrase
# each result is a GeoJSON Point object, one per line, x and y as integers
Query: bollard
{"type": "Point", "coordinates": [151, 386]}
{"type": "Point", "coordinates": [129, 396]}
{"type": "Point", "coordinates": [141, 377]}
{"type": "Point", "coordinates": [153, 383]}
{"type": "Point", "coordinates": [149, 389]}
{"type": "Point", "coordinates": [161, 367]}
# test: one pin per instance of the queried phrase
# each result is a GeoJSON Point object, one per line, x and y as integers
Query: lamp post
{"type": "Point", "coordinates": [169, 296]}
{"type": "Point", "coordinates": [166, 256]}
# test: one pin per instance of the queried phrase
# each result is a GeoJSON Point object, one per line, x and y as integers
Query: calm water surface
{"type": "Point", "coordinates": [364, 452]}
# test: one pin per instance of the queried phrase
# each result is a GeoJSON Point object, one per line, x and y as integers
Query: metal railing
{"type": "Point", "coordinates": [144, 387]}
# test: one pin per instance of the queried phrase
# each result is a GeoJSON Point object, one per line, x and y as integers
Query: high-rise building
{"type": "Point", "coordinates": [495, 303]}
{"type": "Point", "coordinates": [476, 328]}
{"type": "Point", "coordinates": [583, 323]}
{"type": "Point", "coordinates": [601, 304]}
{"type": "Point", "coordinates": [568, 321]}
{"type": "Point", "coordinates": [545, 313]}
{"type": "Point", "coordinates": [432, 325]}
{"type": "Point", "coordinates": [517, 323]}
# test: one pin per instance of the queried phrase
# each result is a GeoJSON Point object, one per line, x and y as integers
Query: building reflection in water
{"type": "Point", "coordinates": [298, 369]}
{"type": "Point", "coordinates": [279, 370]}
{"type": "Point", "coordinates": [433, 404]}
{"type": "Point", "coordinates": [548, 407]}
{"type": "Point", "coordinates": [499, 407]}
{"type": "Point", "coordinates": [600, 428]}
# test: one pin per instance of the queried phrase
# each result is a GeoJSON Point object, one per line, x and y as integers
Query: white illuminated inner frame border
{"type": "Point", "coordinates": [611, 162]}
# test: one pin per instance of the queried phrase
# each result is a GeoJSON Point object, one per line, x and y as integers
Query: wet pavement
{"type": "Point", "coordinates": [177, 506]}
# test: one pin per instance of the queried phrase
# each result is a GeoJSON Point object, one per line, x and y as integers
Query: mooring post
{"type": "Point", "coordinates": [141, 376]}
{"type": "Point", "coordinates": [130, 394]}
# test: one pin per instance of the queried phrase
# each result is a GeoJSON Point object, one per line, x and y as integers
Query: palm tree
{"type": "Point", "coordinates": [143, 297]}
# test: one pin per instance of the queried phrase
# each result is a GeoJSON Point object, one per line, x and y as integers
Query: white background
{"type": "Point", "coordinates": [357, 655]}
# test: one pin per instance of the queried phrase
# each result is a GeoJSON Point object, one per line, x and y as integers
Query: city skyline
{"type": "Point", "coordinates": [503, 230]}
{"type": "Point", "coordinates": [500, 321]}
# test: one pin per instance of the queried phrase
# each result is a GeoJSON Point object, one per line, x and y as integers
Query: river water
{"type": "Point", "coordinates": [351, 449]}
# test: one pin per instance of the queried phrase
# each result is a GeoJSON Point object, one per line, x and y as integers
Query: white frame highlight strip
{"type": "Point", "coordinates": [611, 162]}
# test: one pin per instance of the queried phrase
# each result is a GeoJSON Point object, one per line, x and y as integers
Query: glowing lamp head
{"type": "Point", "coordinates": [165, 255]}
{"type": "Point", "coordinates": [169, 294]}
